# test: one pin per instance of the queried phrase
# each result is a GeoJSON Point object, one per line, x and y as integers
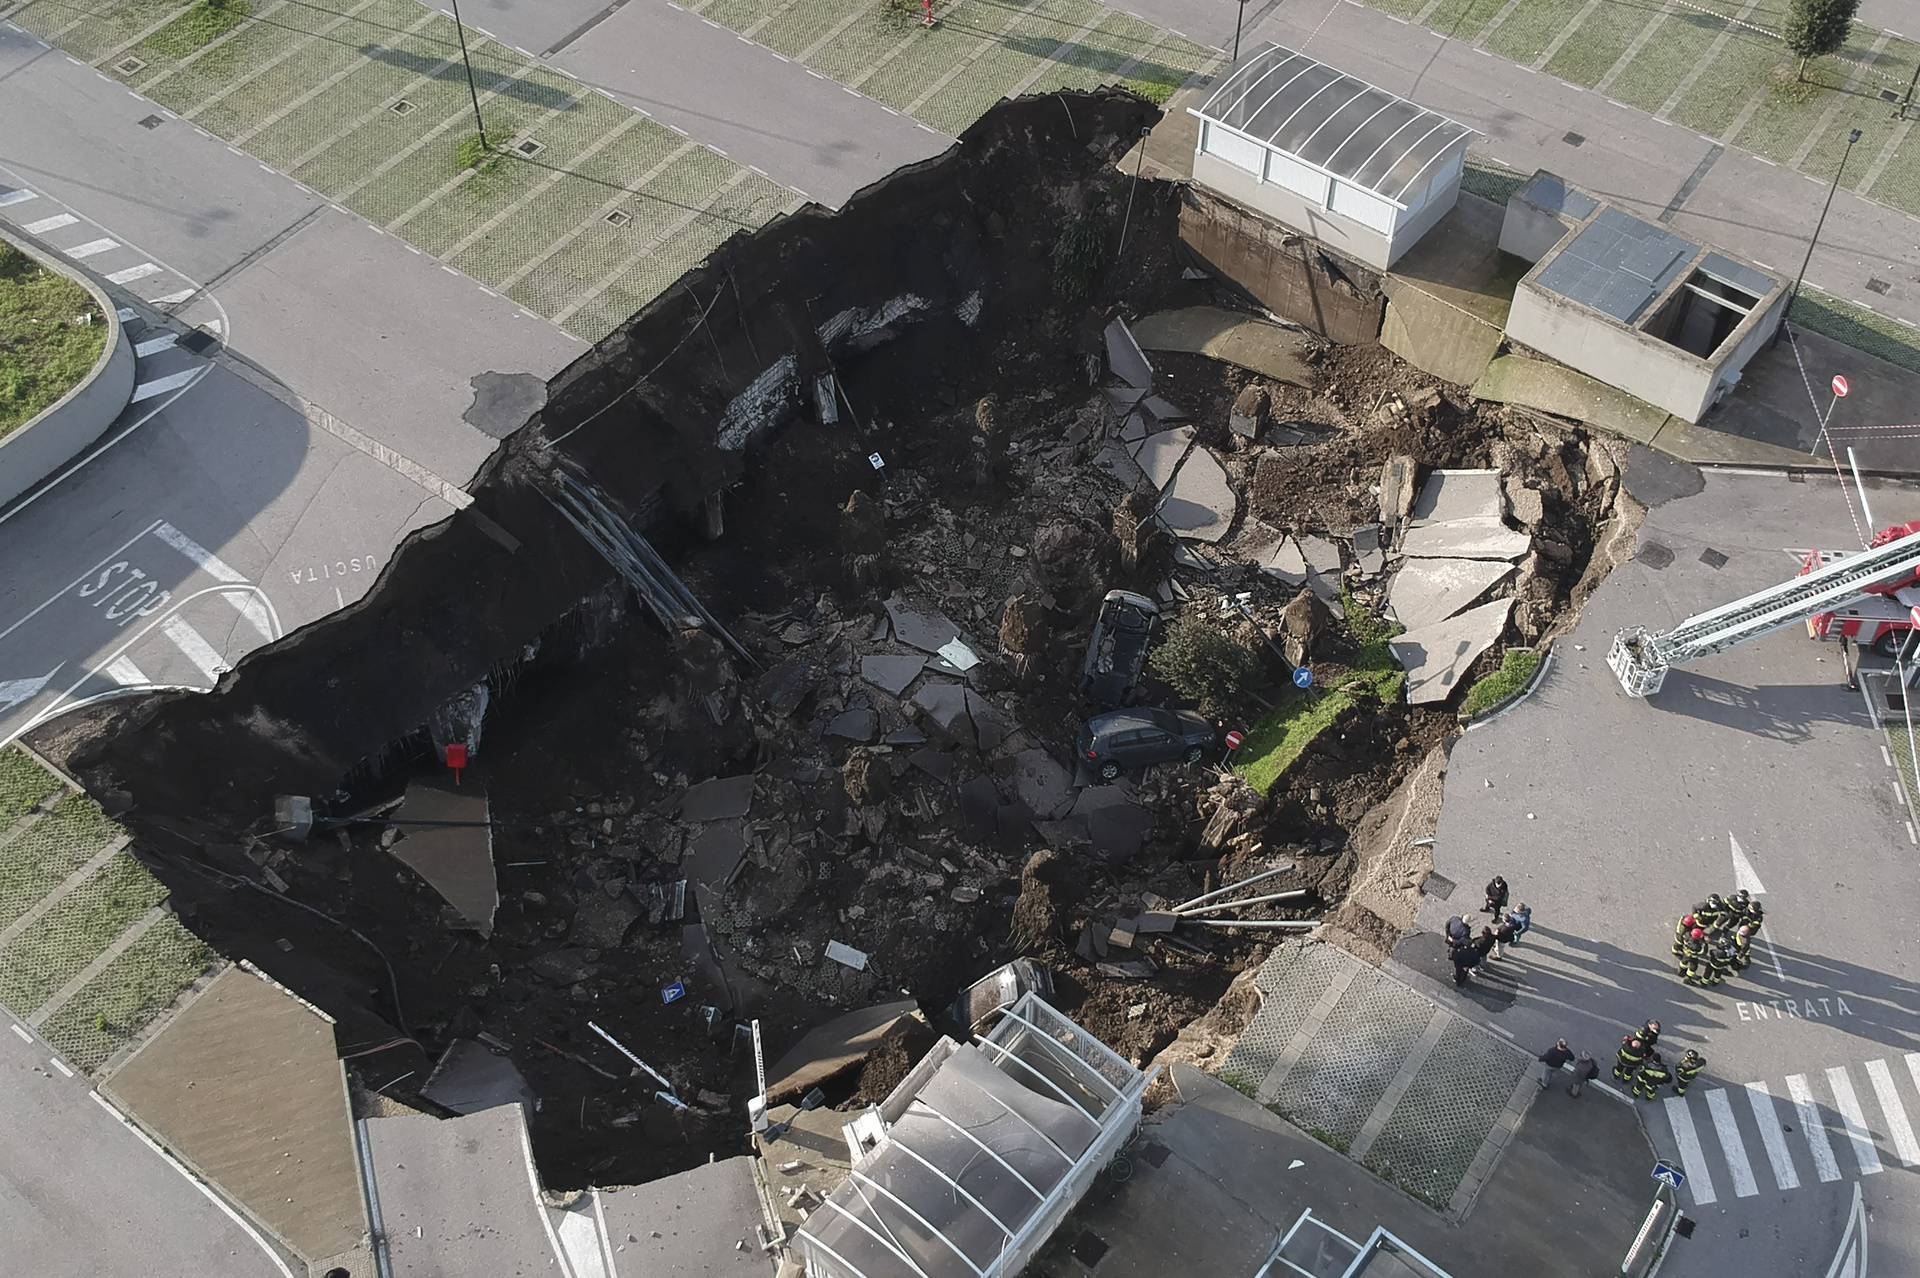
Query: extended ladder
{"type": "Point", "coordinates": [1642, 658]}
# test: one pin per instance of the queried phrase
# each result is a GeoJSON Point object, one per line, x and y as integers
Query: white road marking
{"type": "Point", "coordinates": [1738, 1167]}
{"type": "Point", "coordinates": [133, 273]}
{"type": "Point", "coordinates": [1768, 1120]}
{"type": "Point", "coordinates": [194, 646]}
{"type": "Point", "coordinates": [244, 602]}
{"type": "Point", "coordinates": [24, 1036]}
{"type": "Point", "coordinates": [1897, 1125]}
{"type": "Point", "coordinates": [1850, 1258]}
{"type": "Point", "coordinates": [1812, 1127]}
{"type": "Point", "coordinates": [17, 197]}
{"type": "Point", "coordinates": [123, 672]}
{"type": "Point", "coordinates": [53, 223]}
{"type": "Point", "coordinates": [1854, 1119]}
{"type": "Point", "coordinates": [174, 299]}
{"type": "Point", "coordinates": [1694, 1158]}
{"type": "Point", "coordinates": [13, 692]}
{"type": "Point", "coordinates": [155, 344]}
{"type": "Point", "coordinates": [160, 386]}
{"type": "Point", "coordinates": [1743, 876]}
{"type": "Point", "coordinates": [62, 1066]}
{"type": "Point", "coordinates": [92, 248]}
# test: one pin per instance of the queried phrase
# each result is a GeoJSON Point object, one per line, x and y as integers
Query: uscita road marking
{"type": "Point", "coordinates": [314, 573]}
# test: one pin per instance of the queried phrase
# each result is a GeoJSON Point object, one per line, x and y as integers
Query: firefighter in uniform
{"type": "Point", "coordinates": [1756, 915]}
{"type": "Point", "coordinates": [1633, 1054]}
{"type": "Point", "coordinates": [1649, 1033]}
{"type": "Point", "coordinates": [1712, 914]}
{"type": "Point", "coordinates": [1737, 906]}
{"type": "Point", "coordinates": [1687, 1070]}
{"type": "Point", "coordinates": [1680, 932]}
{"type": "Point", "coordinates": [1720, 960]}
{"type": "Point", "coordinates": [1652, 1077]}
{"type": "Point", "coordinates": [1693, 964]}
{"type": "Point", "coordinates": [1743, 948]}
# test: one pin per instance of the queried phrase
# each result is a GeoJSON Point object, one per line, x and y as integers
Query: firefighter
{"type": "Point", "coordinates": [1652, 1077]}
{"type": "Point", "coordinates": [1633, 1054]}
{"type": "Point", "coordinates": [1756, 915]}
{"type": "Point", "coordinates": [1680, 933]}
{"type": "Point", "coordinates": [1720, 963]}
{"type": "Point", "coordinates": [1687, 1070]}
{"type": "Point", "coordinates": [1693, 966]}
{"type": "Point", "coordinates": [1712, 914]}
{"type": "Point", "coordinates": [1650, 1033]}
{"type": "Point", "coordinates": [1737, 906]}
{"type": "Point", "coordinates": [1743, 948]}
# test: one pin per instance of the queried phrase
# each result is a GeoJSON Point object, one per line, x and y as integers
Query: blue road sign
{"type": "Point", "coordinates": [673, 993]}
{"type": "Point", "coordinates": [1670, 1174]}
{"type": "Point", "coordinates": [1303, 678]}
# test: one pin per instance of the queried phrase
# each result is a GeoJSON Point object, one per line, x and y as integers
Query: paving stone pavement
{"type": "Point", "coordinates": [1416, 1094]}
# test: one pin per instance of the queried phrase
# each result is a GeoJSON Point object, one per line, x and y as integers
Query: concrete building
{"type": "Point", "coordinates": [1361, 170]}
{"type": "Point", "coordinates": [1632, 304]}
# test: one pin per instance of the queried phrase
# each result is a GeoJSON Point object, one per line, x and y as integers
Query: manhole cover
{"type": "Point", "coordinates": [402, 107]}
{"type": "Point", "coordinates": [130, 66]}
{"type": "Point", "coordinates": [1713, 558]}
{"type": "Point", "coordinates": [1088, 1248]}
{"type": "Point", "coordinates": [619, 217]}
{"type": "Point", "coordinates": [199, 341]}
{"type": "Point", "coordinates": [1574, 139]}
{"type": "Point", "coordinates": [1654, 555]}
{"type": "Point", "coordinates": [1154, 1154]}
{"type": "Point", "coordinates": [1888, 95]}
{"type": "Point", "coordinates": [1439, 885]}
{"type": "Point", "coordinates": [152, 122]}
{"type": "Point", "coordinates": [529, 148]}
{"type": "Point", "coordinates": [1878, 286]}
{"type": "Point", "coordinates": [1796, 477]}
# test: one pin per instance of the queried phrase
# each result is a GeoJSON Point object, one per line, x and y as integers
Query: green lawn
{"type": "Point", "coordinates": [112, 1008]}
{"type": "Point", "coordinates": [23, 784]}
{"type": "Point", "coordinates": [1877, 335]}
{"type": "Point", "coordinates": [1517, 665]}
{"type": "Point", "coordinates": [51, 335]}
{"type": "Point", "coordinates": [72, 934]}
{"type": "Point", "coordinates": [200, 26]}
{"type": "Point", "coordinates": [1280, 738]}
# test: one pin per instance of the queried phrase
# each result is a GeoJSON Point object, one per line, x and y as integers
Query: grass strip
{"type": "Point", "coordinates": [1517, 665]}
{"type": "Point", "coordinates": [51, 335]}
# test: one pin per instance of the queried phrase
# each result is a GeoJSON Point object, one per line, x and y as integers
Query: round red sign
{"type": "Point", "coordinates": [1840, 387]}
{"type": "Point", "coordinates": [1233, 740]}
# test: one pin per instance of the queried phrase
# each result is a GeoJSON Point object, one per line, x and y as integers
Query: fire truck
{"type": "Point", "coordinates": [1878, 618]}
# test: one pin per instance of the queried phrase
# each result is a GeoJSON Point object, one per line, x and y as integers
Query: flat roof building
{"type": "Point", "coordinates": [1632, 304]}
{"type": "Point", "coordinates": [1363, 170]}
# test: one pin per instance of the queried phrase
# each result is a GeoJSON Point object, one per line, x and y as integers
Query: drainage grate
{"type": "Point", "coordinates": [1879, 286]}
{"type": "Point", "coordinates": [1654, 555]}
{"type": "Point", "coordinates": [1440, 886]}
{"type": "Point", "coordinates": [1154, 1154]}
{"type": "Point", "coordinates": [401, 107]}
{"type": "Point", "coordinates": [130, 66]}
{"type": "Point", "coordinates": [619, 217]}
{"type": "Point", "coordinates": [1089, 1247]}
{"type": "Point", "coordinates": [152, 122]}
{"type": "Point", "coordinates": [1574, 139]}
{"type": "Point", "coordinates": [199, 341]}
{"type": "Point", "coordinates": [1888, 95]}
{"type": "Point", "coordinates": [1713, 558]}
{"type": "Point", "coordinates": [1796, 477]}
{"type": "Point", "coordinates": [529, 148]}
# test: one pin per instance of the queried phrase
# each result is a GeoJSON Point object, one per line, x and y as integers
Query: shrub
{"type": "Point", "coordinates": [1206, 666]}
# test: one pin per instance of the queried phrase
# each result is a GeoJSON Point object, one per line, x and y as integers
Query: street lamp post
{"type": "Point", "coordinates": [1853, 136]}
{"type": "Point", "coordinates": [1238, 18]}
{"type": "Point", "coordinates": [473, 93]}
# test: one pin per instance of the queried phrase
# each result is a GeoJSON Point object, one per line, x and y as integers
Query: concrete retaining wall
{"type": "Point", "coordinates": [59, 434]}
{"type": "Point", "coordinates": [1436, 337]}
{"type": "Point", "coordinates": [1286, 273]}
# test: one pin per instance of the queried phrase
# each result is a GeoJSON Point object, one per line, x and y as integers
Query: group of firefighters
{"type": "Point", "coordinates": [1715, 940]}
{"type": "Point", "coordinates": [1645, 1071]}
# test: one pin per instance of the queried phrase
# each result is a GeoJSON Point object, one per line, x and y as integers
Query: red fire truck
{"type": "Point", "coordinates": [1878, 619]}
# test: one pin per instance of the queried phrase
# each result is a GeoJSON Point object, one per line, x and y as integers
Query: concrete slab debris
{"type": "Point", "coordinates": [1160, 455]}
{"type": "Point", "coordinates": [833, 1046]}
{"type": "Point", "coordinates": [455, 860]}
{"type": "Point", "coordinates": [1322, 556]}
{"type": "Point", "coordinates": [928, 631]}
{"type": "Point", "coordinates": [1231, 336]}
{"type": "Point", "coordinates": [1465, 539]}
{"type": "Point", "coordinates": [713, 855]}
{"type": "Point", "coordinates": [891, 674]}
{"type": "Point", "coordinates": [437, 1178]}
{"type": "Point", "coordinates": [1122, 400]}
{"type": "Point", "coordinates": [1125, 358]}
{"type": "Point", "coordinates": [937, 764]}
{"type": "Point", "coordinates": [847, 956]}
{"type": "Point", "coordinates": [472, 1077]}
{"type": "Point", "coordinates": [1042, 784]}
{"type": "Point", "coordinates": [990, 727]}
{"type": "Point", "coordinates": [958, 655]}
{"type": "Point", "coordinates": [1286, 562]}
{"type": "Point", "coordinates": [1201, 504]}
{"type": "Point", "coordinates": [703, 1221]}
{"type": "Point", "coordinates": [1368, 556]}
{"type": "Point", "coordinates": [1449, 495]}
{"type": "Point", "coordinates": [1135, 428]}
{"type": "Point", "coordinates": [1436, 657]}
{"type": "Point", "coordinates": [1163, 410]}
{"type": "Point", "coordinates": [1396, 490]}
{"type": "Point", "coordinates": [945, 707]}
{"type": "Point", "coordinates": [859, 724]}
{"type": "Point", "coordinates": [723, 798]}
{"type": "Point", "coordinates": [1114, 460]}
{"type": "Point", "coordinates": [1424, 591]}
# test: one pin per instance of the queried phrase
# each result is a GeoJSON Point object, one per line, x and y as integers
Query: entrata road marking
{"type": "Point", "coordinates": [1902, 1131]}
{"type": "Point", "coordinates": [1854, 1119]}
{"type": "Point", "coordinates": [1768, 1120]}
{"type": "Point", "coordinates": [1813, 1127]}
{"type": "Point", "coordinates": [53, 223]}
{"type": "Point", "coordinates": [1694, 1158]}
{"type": "Point", "coordinates": [1737, 1165]}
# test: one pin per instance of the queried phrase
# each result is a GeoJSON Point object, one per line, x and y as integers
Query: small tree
{"type": "Point", "coordinates": [1213, 669]}
{"type": "Point", "coordinates": [1815, 28]}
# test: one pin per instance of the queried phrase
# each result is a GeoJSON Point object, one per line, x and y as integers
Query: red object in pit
{"type": "Point", "coordinates": [1234, 739]}
{"type": "Point", "coordinates": [456, 759]}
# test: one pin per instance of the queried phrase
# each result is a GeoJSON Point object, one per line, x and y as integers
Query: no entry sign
{"type": "Point", "coordinates": [1840, 386]}
{"type": "Point", "coordinates": [1233, 740]}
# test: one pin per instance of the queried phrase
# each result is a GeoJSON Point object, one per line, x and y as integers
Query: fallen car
{"type": "Point", "coordinates": [1136, 739]}
{"type": "Point", "coordinates": [1117, 649]}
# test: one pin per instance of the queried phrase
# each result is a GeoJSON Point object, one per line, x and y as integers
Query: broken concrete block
{"type": "Point", "coordinates": [847, 956]}
{"type": "Point", "coordinates": [1159, 456]}
{"type": "Point", "coordinates": [1450, 495]}
{"type": "Point", "coordinates": [1528, 506]}
{"type": "Point", "coordinates": [1154, 921]}
{"type": "Point", "coordinates": [1201, 503]}
{"type": "Point", "coordinates": [945, 707]}
{"type": "Point", "coordinates": [1367, 554]}
{"type": "Point", "coordinates": [1250, 412]}
{"type": "Point", "coordinates": [927, 630]}
{"type": "Point", "coordinates": [1436, 657]}
{"type": "Point", "coordinates": [1478, 538]}
{"type": "Point", "coordinates": [1125, 358]}
{"type": "Point", "coordinates": [859, 724]}
{"type": "Point", "coordinates": [1396, 490]}
{"type": "Point", "coordinates": [1424, 591]}
{"type": "Point", "coordinates": [1042, 784]}
{"type": "Point", "coordinates": [891, 674]}
{"type": "Point", "coordinates": [719, 799]}
{"type": "Point", "coordinates": [1163, 410]}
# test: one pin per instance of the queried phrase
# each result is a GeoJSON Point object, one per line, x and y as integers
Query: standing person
{"type": "Point", "coordinates": [1649, 1033]}
{"type": "Point", "coordinates": [1521, 919]}
{"type": "Point", "coordinates": [1711, 915]}
{"type": "Point", "coordinates": [1687, 1070]}
{"type": "Point", "coordinates": [1742, 948]}
{"type": "Point", "coordinates": [1720, 961]}
{"type": "Point", "coordinates": [1693, 964]}
{"type": "Point", "coordinates": [1633, 1054]}
{"type": "Point", "coordinates": [1681, 931]}
{"type": "Point", "coordinates": [1652, 1077]}
{"type": "Point", "coordinates": [1756, 915]}
{"type": "Point", "coordinates": [1463, 961]}
{"type": "Point", "coordinates": [1585, 1070]}
{"type": "Point", "coordinates": [1482, 945]}
{"type": "Point", "coordinates": [1496, 896]}
{"type": "Point", "coordinates": [1458, 933]}
{"type": "Point", "coordinates": [1552, 1059]}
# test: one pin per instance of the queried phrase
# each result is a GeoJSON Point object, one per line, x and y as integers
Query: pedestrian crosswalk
{"type": "Point", "coordinates": [1812, 1128]}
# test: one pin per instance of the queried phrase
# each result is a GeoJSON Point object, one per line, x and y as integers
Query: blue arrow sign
{"type": "Point", "coordinates": [1670, 1175]}
{"type": "Point", "coordinates": [1303, 678]}
{"type": "Point", "coordinates": [673, 993]}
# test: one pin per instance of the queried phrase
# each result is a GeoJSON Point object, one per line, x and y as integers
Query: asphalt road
{"type": "Point", "coordinates": [80, 1193]}
{"type": "Point", "coordinates": [288, 460]}
{"type": "Point", "coordinates": [1610, 817]}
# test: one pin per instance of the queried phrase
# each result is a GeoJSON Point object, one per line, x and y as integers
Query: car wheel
{"type": "Point", "coordinates": [1888, 645]}
{"type": "Point", "coordinates": [1109, 771]}
{"type": "Point", "coordinates": [1194, 754]}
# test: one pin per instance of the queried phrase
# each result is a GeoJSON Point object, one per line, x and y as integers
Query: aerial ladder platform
{"type": "Point", "coordinates": [1641, 658]}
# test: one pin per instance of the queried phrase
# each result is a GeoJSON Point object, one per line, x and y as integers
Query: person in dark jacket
{"type": "Point", "coordinates": [1496, 896]}
{"type": "Point", "coordinates": [1483, 945]}
{"type": "Point", "coordinates": [1458, 933]}
{"type": "Point", "coordinates": [1551, 1060]}
{"type": "Point", "coordinates": [1464, 960]}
